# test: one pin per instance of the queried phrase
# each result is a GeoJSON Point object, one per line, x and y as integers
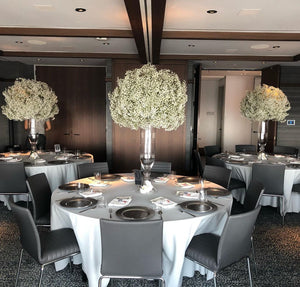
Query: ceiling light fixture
{"type": "Point", "coordinates": [106, 43]}
{"type": "Point", "coordinates": [102, 38]}
{"type": "Point", "coordinates": [80, 10]}
{"type": "Point", "coordinates": [19, 42]}
{"type": "Point", "coordinates": [276, 47]}
{"type": "Point", "coordinates": [191, 45]}
{"type": "Point", "coordinates": [211, 11]}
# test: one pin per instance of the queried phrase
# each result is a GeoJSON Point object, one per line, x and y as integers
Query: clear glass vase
{"type": "Point", "coordinates": [262, 139]}
{"type": "Point", "coordinates": [147, 150]}
{"type": "Point", "coordinates": [33, 140]}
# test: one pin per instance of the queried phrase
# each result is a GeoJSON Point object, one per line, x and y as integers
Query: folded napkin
{"type": "Point", "coordinates": [295, 162]}
{"type": "Point", "coordinates": [61, 157]}
{"type": "Point", "coordinates": [90, 193]}
{"type": "Point", "coordinates": [98, 183]}
{"type": "Point", "coordinates": [128, 178]}
{"type": "Point", "coordinates": [161, 179]}
{"type": "Point", "coordinates": [188, 194]}
{"type": "Point", "coordinates": [7, 158]}
{"type": "Point", "coordinates": [147, 187]}
{"type": "Point", "coordinates": [40, 160]}
{"type": "Point", "coordinates": [185, 185]}
{"type": "Point", "coordinates": [236, 157]}
{"type": "Point", "coordinates": [120, 201]}
{"type": "Point", "coordinates": [163, 202]}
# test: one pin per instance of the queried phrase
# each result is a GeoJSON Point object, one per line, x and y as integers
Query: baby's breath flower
{"type": "Point", "coordinates": [29, 99]}
{"type": "Point", "coordinates": [265, 103]}
{"type": "Point", "coordinates": [147, 96]}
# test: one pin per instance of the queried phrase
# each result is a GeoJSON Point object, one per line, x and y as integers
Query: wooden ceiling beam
{"type": "Point", "coordinates": [135, 19]}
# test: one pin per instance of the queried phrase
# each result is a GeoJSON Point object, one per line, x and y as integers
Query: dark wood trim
{"type": "Point", "coordinates": [228, 58]}
{"type": "Point", "coordinates": [201, 35]}
{"type": "Point", "coordinates": [289, 85]}
{"type": "Point", "coordinates": [158, 15]}
{"type": "Point", "coordinates": [61, 32]}
{"type": "Point", "coordinates": [70, 55]}
{"type": "Point", "coordinates": [135, 18]}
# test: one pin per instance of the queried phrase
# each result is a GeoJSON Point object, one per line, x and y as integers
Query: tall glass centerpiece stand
{"type": "Point", "coordinates": [33, 139]}
{"type": "Point", "coordinates": [147, 150]}
{"type": "Point", "coordinates": [262, 139]}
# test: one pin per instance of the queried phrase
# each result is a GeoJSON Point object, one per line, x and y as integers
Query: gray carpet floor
{"type": "Point", "coordinates": [277, 255]}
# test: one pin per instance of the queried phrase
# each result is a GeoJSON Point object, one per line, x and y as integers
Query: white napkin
{"type": "Point", "coordinates": [7, 158]}
{"type": "Point", "coordinates": [163, 202]}
{"type": "Point", "coordinates": [40, 160]}
{"type": "Point", "coordinates": [188, 194]}
{"type": "Point", "coordinates": [128, 178]}
{"type": "Point", "coordinates": [120, 201]}
{"type": "Point", "coordinates": [161, 179]}
{"type": "Point", "coordinates": [295, 162]}
{"type": "Point", "coordinates": [61, 157]}
{"type": "Point", "coordinates": [147, 187]}
{"type": "Point", "coordinates": [98, 183]}
{"type": "Point", "coordinates": [185, 185]}
{"type": "Point", "coordinates": [90, 193]}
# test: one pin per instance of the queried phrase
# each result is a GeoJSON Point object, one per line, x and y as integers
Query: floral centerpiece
{"type": "Point", "coordinates": [30, 100]}
{"type": "Point", "coordinates": [262, 104]}
{"type": "Point", "coordinates": [148, 98]}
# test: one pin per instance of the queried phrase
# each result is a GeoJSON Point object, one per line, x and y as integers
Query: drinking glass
{"type": "Point", "coordinates": [97, 175]}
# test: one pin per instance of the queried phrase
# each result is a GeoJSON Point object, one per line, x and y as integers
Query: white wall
{"type": "Point", "coordinates": [237, 129]}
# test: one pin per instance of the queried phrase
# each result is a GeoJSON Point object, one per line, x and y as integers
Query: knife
{"type": "Point", "coordinates": [91, 207]}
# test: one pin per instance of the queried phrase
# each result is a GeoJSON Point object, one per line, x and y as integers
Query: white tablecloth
{"type": "Point", "coordinates": [291, 176]}
{"type": "Point", "coordinates": [178, 228]}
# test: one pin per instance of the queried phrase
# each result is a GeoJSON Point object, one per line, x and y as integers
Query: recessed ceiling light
{"type": "Point", "coordinates": [102, 38]}
{"type": "Point", "coordinates": [37, 42]}
{"type": "Point", "coordinates": [260, 46]}
{"type": "Point", "coordinates": [19, 42]}
{"type": "Point", "coordinates": [106, 43]}
{"type": "Point", "coordinates": [211, 11]}
{"type": "Point", "coordinates": [276, 47]}
{"type": "Point", "coordinates": [191, 45]}
{"type": "Point", "coordinates": [80, 10]}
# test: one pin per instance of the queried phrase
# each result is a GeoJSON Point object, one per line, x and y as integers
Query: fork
{"type": "Point", "coordinates": [110, 213]}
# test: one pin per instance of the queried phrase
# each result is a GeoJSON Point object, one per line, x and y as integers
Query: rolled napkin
{"type": "Point", "coordinates": [128, 178]}
{"type": "Point", "coordinates": [120, 201]}
{"type": "Point", "coordinates": [188, 194]}
{"type": "Point", "coordinates": [185, 185]}
{"type": "Point", "coordinates": [161, 179]}
{"type": "Point", "coordinates": [90, 193]}
{"type": "Point", "coordinates": [163, 202]}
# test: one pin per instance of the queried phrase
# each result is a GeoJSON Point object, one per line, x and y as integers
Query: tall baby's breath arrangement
{"type": "Point", "coordinates": [265, 103]}
{"type": "Point", "coordinates": [149, 97]}
{"type": "Point", "coordinates": [29, 99]}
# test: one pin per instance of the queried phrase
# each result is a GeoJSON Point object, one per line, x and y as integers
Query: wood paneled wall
{"type": "Point", "coordinates": [170, 146]}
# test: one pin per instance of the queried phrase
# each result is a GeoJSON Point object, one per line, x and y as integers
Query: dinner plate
{"type": "Point", "coordinates": [110, 177]}
{"type": "Point", "coordinates": [57, 162]}
{"type": "Point", "coordinates": [135, 213]}
{"type": "Point", "coordinates": [189, 179]}
{"type": "Point", "coordinates": [74, 186]}
{"type": "Point", "coordinates": [217, 191]}
{"type": "Point", "coordinates": [197, 207]}
{"type": "Point", "coordinates": [78, 202]}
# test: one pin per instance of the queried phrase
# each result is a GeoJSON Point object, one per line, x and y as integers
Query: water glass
{"type": "Point", "coordinates": [202, 195]}
{"type": "Point", "coordinates": [97, 175]}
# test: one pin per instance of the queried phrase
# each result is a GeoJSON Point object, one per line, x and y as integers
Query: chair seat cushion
{"type": "Point", "coordinates": [203, 249]}
{"type": "Point", "coordinates": [236, 184]}
{"type": "Point", "coordinates": [43, 220]}
{"type": "Point", "coordinates": [57, 244]}
{"type": "Point", "coordinates": [296, 187]}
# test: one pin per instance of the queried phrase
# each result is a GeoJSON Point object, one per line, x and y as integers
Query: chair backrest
{"type": "Point", "coordinates": [245, 148]}
{"type": "Point", "coordinates": [131, 248]}
{"type": "Point", "coordinates": [217, 174]}
{"type": "Point", "coordinates": [235, 240]}
{"type": "Point", "coordinates": [40, 193]}
{"type": "Point", "coordinates": [211, 150]}
{"type": "Point", "coordinates": [29, 235]}
{"type": "Point", "coordinates": [12, 178]}
{"type": "Point", "coordinates": [271, 176]}
{"type": "Point", "coordinates": [198, 162]}
{"type": "Point", "coordinates": [162, 166]}
{"type": "Point", "coordinates": [286, 150]}
{"type": "Point", "coordinates": [88, 169]}
{"type": "Point", "coordinates": [253, 195]}
{"type": "Point", "coordinates": [214, 161]}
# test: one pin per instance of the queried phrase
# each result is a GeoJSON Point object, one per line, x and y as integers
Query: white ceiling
{"type": "Point", "coordinates": [267, 16]}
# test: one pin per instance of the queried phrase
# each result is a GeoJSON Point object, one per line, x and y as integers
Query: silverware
{"type": "Point", "coordinates": [184, 211]}
{"type": "Point", "coordinates": [110, 213]}
{"type": "Point", "coordinates": [89, 208]}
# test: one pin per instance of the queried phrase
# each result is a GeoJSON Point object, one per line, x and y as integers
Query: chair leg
{"type": "Point", "coordinates": [215, 279]}
{"type": "Point", "coordinates": [162, 282]}
{"type": "Point", "coordinates": [283, 210]}
{"type": "Point", "coordinates": [18, 272]}
{"type": "Point", "coordinates": [42, 270]}
{"type": "Point", "coordinates": [253, 254]}
{"type": "Point", "coordinates": [249, 271]}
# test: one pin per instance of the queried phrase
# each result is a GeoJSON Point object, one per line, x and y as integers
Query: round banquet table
{"type": "Point", "coordinates": [178, 227]}
{"type": "Point", "coordinates": [241, 166]}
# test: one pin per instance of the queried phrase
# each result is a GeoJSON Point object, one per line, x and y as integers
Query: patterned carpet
{"type": "Point", "coordinates": [277, 256]}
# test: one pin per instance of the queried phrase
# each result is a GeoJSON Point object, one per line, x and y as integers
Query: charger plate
{"type": "Point", "coordinates": [74, 186]}
{"type": "Point", "coordinates": [110, 177]}
{"type": "Point", "coordinates": [217, 191]}
{"type": "Point", "coordinates": [78, 202]}
{"type": "Point", "coordinates": [189, 179]}
{"type": "Point", "coordinates": [135, 213]}
{"type": "Point", "coordinates": [57, 162]}
{"type": "Point", "coordinates": [198, 207]}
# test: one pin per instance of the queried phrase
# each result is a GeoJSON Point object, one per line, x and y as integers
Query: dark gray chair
{"type": "Point", "coordinates": [40, 193]}
{"type": "Point", "coordinates": [234, 182]}
{"type": "Point", "coordinates": [45, 247]}
{"type": "Point", "coordinates": [296, 187]}
{"type": "Point", "coordinates": [88, 169]}
{"type": "Point", "coordinates": [198, 162]}
{"type": "Point", "coordinates": [245, 148]}
{"type": "Point", "coordinates": [211, 150]}
{"type": "Point", "coordinates": [287, 150]}
{"type": "Point", "coordinates": [272, 177]}
{"type": "Point", "coordinates": [217, 174]}
{"type": "Point", "coordinates": [252, 198]}
{"type": "Point", "coordinates": [217, 252]}
{"type": "Point", "coordinates": [131, 249]}
{"type": "Point", "coordinates": [162, 166]}
{"type": "Point", "coordinates": [13, 179]}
